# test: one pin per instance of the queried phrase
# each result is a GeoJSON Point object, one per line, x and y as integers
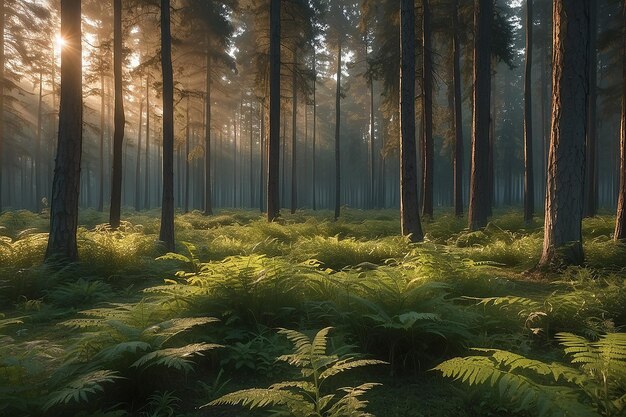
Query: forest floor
{"type": "Point", "coordinates": [128, 331]}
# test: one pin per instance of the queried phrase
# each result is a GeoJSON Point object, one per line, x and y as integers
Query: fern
{"type": "Point", "coordinates": [305, 398]}
{"type": "Point", "coordinates": [78, 390]}
{"type": "Point", "coordinates": [596, 381]}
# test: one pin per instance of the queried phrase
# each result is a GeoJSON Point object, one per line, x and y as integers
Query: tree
{"type": "Point", "coordinates": [620, 224]}
{"type": "Point", "coordinates": [566, 163]}
{"type": "Point", "coordinates": [166, 234]}
{"type": "Point", "coordinates": [273, 157]}
{"type": "Point", "coordinates": [591, 171]}
{"type": "Point", "coordinates": [529, 179]}
{"type": "Point", "coordinates": [479, 206]}
{"type": "Point", "coordinates": [409, 210]}
{"type": "Point", "coordinates": [120, 118]}
{"type": "Point", "coordinates": [458, 113]}
{"type": "Point", "coordinates": [428, 146]}
{"type": "Point", "coordinates": [62, 243]}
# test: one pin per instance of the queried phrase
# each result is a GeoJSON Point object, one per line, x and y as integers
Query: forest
{"type": "Point", "coordinates": [312, 208]}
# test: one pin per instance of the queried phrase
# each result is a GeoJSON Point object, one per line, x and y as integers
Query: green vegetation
{"type": "Point", "coordinates": [131, 331]}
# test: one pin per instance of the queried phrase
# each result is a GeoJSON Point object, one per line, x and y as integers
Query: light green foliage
{"type": "Point", "coordinates": [78, 390]}
{"type": "Point", "coordinates": [304, 397]}
{"type": "Point", "coordinates": [595, 382]}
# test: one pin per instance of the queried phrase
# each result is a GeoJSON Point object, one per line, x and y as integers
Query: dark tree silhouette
{"type": "Point", "coordinates": [529, 179]}
{"type": "Point", "coordinates": [273, 155]}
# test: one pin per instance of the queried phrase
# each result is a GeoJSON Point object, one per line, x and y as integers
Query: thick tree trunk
{"type": "Point", "coordinates": [208, 191]}
{"type": "Point", "coordinates": [66, 182]}
{"type": "Point", "coordinates": [2, 112]}
{"type": "Point", "coordinates": [529, 180]}
{"type": "Point", "coordinates": [338, 134]}
{"type": "Point", "coordinates": [101, 155]}
{"type": "Point", "coordinates": [313, 168]}
{"type": "Point", "coordinates": [166, 234]}
{"type": "Point", "coordinates": [120, 121]}
{"type": "Point", "coordinates": [273, 155]}
{"type": "Point", "coordinates": [458, 116]}
{"type": "Point", "coordinates": [427, 107]}
{"type": "Point", "coordinates": [479, 185]}
{"type": "Point", "coordinates": [409, 209]}
{"type": "Point", "coordinates": [146, 204]}
{"type": "Point", "coordinates": [620, 224]}
{"type": "Point", "coordinates": [591, 172]}
{"type": "Point", "coordinates": [262, 158]}
{"type": "Point", "coordinates": [38, 156]}
{"type": "Point", "coordinates": [294, 136]}
{"type": "Point", "coordinates": [566, 163]}
{"type": "Point", "coordinates": [186, 157]}
{"type": "Point", "coordinates": [138, 162]}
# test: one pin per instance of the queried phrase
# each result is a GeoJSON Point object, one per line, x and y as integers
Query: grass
{"type": "Point", "coordinates": [410, 305]}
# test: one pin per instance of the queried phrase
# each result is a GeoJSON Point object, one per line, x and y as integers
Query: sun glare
{"type": "Point", "coordinates": [59, 42]}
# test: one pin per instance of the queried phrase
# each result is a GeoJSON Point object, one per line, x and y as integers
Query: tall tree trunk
{"type": "Point", "coordinates": [120, 120]}
{"type": "Point", "coordinates": [101, 153]}
{"type": "Point", "coordinates": [262, 157]}
{"type": "Point", "coordinates": [166, 234]}
{"type": "Point", "coordinates": [294, 135]}
{"type": "Point", "coordinates": [186, 155]}
{"type": "Point", "coordinates": [409, 209]}
{"type": "Point", "coordinates": [138, 162]}
{"type": "Point", "coordinates": [273, 198]}
{"type": "Point", "coordinates": [620, 224]}
{"type": "Point", "coordinates": [458, 115]}
{"type": "Point", "coordinates": [66, 182]}
{"type": "Point", "coordinates": [566, 165]}
{"type": "Point", "coordinates": [479, 184]}
{"type": "Point", "coordinates": [313, 168]}
{"type": "Point", "coordinates": [2, 112]}
{"type": "Point", "coordinates": [208, 191]}
{"type": "Point", "coordinates": [250, 156]}
{"type": "Point", "coordinates": [38, 156]}
{"type": "Point", "coordinates": [529, 179]}
{"type": "Point", "coordinates": [591, 191]}
{"type": "Point", "coordinates": [338, 134]}
{"type": "Point", "coordinates": [427, 108]}
{"type": "Point", "coordinates": [147, 174]}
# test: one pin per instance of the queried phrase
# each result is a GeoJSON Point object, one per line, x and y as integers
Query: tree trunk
{"type": "Point", "coordinates": [529, 180]}
{"type": "Point", "coordinates": [38, 156]}
{"type": "Point", "coordinates": [458, 116]}
{"type": "Point", "coordinates": [2, 112]}
{"type": "Point", "coordinates": [591, 172]}
{"type": "Point", "coordinates": [101, 156]}
{"type": "Point", "coordinates": [427, 108]}
{"type": "Point", "coordinates": [294, 135]}
{"type": "Point", "coordinates": [66, 182]}
{"type": "Point", "coordinates": [479, 184]}
{"type": "Point", "coordinates": [208, 192]}
{"type": "Point", "coordinates": [186, 155]}
{"type": "Point", "coordinates": [166, 234]}
{"type": "Point", "coordinates": [409, 209]}
{"type": "Point", "coordinates": [119, 119]}
{"type": "Point", "coordinates": [338, 134]}
{"type": "Point", "coordinates": [620, 224]}
{"type": "Point", "coordinates": [273, 198]}
{"type": "Point", "coordinates": [313, 168]}
{"type": "Point", "coordinates": [138, 165]}
{"type": "Point", "coordinates": [566, 163]}
{"type": "Point", "coordinates": [262, 157]}
{"type": "Point", "coordinates": [146, 204]}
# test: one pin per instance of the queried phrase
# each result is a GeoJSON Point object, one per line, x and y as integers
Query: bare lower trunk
{"type": "Point", "coordinates": [138, 161]}
{"type": "Point", "coordinates": [529, 180]}
{"type": "Point", "coordinates": [146, 204]}
{"type": "Point", "coordinates": [409, 209]}
{"type": "Point", "coordinates": [427, 107]}
{"type": "Point", "coordinates": [591, 191]}
{"type": "Point", "coordinates": [479, 185]}
{"type": "Point", "coordinates": [273, 157]}
{"type": "Point", "coordinates": [566, 163]}
{"type": "Point", "coordinates": [338, 135]}
{"type": "Point", "coordinates": [66, 182]}
{"type": "Point", "coordinates": [458, 117]}
{"type": "Point", "coordinates": [166, 234]}
{"type": "Point", "coordinates": [208, 191]}
{"type": "Point", "coordinates": [119, 120]}
{"type": "Point", "coordinates": [620, 224]}
{"type": "Point", "coordinates": [294, 136]}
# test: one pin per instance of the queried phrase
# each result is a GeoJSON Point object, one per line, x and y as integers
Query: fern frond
{"type": "Point", "coordinates": [320, 341]}
{"type": "Point", "coordinates": [301, 341]}
{"type": "Point", "coordinates": [347, 364]}
{"type": "Point", "coordinates": [260, 398]}
{"type": "Point", "coordinates": [78, 390]}
{"type": "Point", "coordinates": [176, 358]}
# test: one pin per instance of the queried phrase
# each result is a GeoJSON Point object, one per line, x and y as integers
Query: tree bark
{"type": "Point", "coordinates": [409, 209]}
{"type": "Point", "coordinates": [273, 198]}
{"type": "Point", "coordinates": [186, 156]}
{"type": "Point", "coordinates": [591, 191]}
{"type": "Point", "coordinates": [146, 204]}
{"type": "Point", "coordinates": [427, 108]}
{"type": "Point", "coordinates": [529, 180]}
{"type": "Point", "coordinates": [208, 192]}
{"type": "Point", "coordinates": [566, 163]}
{"type": "Point", "coordinates": [458, 115]}
{"type": "Point", "coordinates": [119, 119]}
{"type": "Point", "coordinates": [620, 224]}
{"type": "Point", "coordinates": [338, 133]}
{"type": "Point", "coordinates": [38, 156]}
{"type": "Point", "coordinates": [62, 245]}
{"type": "Point", "coordinates": [294, 135]}
{"type": "Point", "coordinates": [2, 112]}
{"type": "Point", "coordinates": [138, 162]}
{"type": "Point", "coordinates": [479, 184]}
{"type": "Point", "coordinates": [166, 234]}
{"type": "Point", "coordinates": [313, 168]}
{"type": "Point", "coordinates": [101, 156]}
